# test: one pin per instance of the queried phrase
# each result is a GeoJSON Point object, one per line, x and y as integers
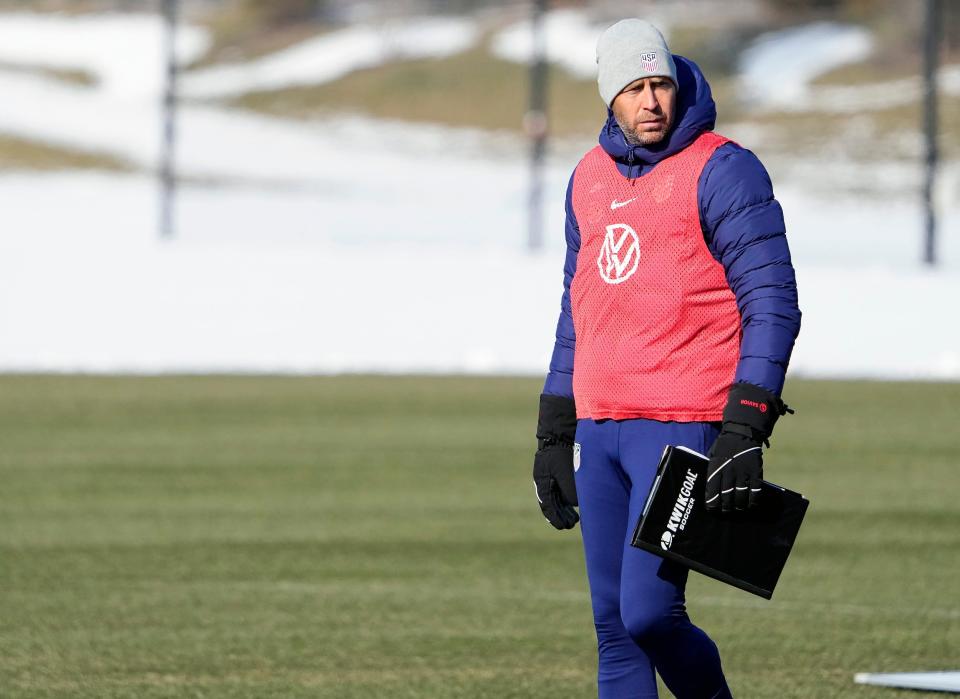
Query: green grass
{"type": "Point", "coordinates": [377, 537]}
{"type": "Point", "coordinates": [67, 7]}
{"type": "Point", "coordinates": [76, 77]}
{"type": "Point", "coordinates": [26, 154]}
{"type": "Point", "coordinates": [237, 35]}
{"type": "Point", "coordinates": [473, 89]}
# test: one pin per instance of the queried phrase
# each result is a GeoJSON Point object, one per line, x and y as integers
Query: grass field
{"type": "Point", "coordinates": [377, 537]}
{"type": "Point", "coordinates": [26, 154]}
{"type": "Point", "coordinates": [472, 89]}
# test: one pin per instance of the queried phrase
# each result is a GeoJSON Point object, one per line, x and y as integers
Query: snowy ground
{"type": "Point", "coordinates": [289, 281]}
{"type": "Point", "coordinates": [336, 54]}
{"type": "Point", "coordinates": [570, 41]}
{"type": "Point", "coordinates": [353, 244]}
{"type": "Point", "coordinates": [777, 70]}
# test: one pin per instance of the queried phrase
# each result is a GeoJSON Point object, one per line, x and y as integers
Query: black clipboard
{"type": "Point", "coordinates": [745, 549]}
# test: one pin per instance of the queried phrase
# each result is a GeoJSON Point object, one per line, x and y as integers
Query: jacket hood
{"type": "Point", "coordinates": [696, 113]}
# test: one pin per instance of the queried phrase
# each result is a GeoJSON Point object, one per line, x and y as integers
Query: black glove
{"type": "Point", "coordinates": [736, 458]}
{"type": "Point", "coordinates": [553, 462]}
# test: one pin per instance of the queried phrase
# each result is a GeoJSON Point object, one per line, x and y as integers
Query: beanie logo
{"type": "Point", "coordinates": [650, 62]}
{"type": "Point", "coordinates": [619, 257]}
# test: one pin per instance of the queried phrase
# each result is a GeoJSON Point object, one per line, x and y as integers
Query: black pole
{"type": "Point", "coordinates": [535, 123]}
{"type": "Point", "coordinates": [168, 175]}
{"type": "Point", "coordinates": [930, 55]}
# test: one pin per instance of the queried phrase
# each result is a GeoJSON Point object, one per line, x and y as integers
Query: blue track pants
{"type": "Point", "coordinates": [638, 598]}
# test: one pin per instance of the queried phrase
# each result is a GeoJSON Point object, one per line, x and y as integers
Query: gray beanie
{"type": "Point", "coordinates": [629, 50]}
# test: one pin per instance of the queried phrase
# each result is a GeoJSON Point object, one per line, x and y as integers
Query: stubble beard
{"type": "Point", "coordinates": [640, 138]}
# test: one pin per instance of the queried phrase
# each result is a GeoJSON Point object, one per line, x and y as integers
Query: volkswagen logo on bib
{"type": "Point", "coordinates": [620, 254]}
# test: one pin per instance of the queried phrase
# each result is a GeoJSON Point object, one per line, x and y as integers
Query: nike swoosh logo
{"type": "Point", "coordinates": [617, 204]}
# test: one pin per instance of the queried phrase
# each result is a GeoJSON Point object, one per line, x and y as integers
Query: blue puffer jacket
{"type": "Point", "coordinates": [743, 227]}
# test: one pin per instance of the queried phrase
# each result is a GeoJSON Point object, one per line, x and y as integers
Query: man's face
{"type": "Point", "coordinates": [645, 110]}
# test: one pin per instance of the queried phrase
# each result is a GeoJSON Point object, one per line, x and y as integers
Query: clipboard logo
{"type": "Point", "coordinates": [682, 509]}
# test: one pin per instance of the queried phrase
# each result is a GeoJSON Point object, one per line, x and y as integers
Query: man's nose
{"type": "Point", "coordinates": [648, 100]}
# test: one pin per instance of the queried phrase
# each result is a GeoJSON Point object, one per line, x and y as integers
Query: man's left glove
{"type": "Point", "coordinates": [736, 458]}
{"type": "Point", "coordinates": [553, 462]}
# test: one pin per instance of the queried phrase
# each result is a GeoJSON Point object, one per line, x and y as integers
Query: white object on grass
{"type": "Point", "coordinates": [928, 681]}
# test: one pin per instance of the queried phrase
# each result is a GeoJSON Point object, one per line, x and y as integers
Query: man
{"type": "Point", "coordinates": [678, 317]}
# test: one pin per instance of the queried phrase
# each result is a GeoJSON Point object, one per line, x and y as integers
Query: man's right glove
{"type": "Point", "coordinates": [553, 462]}
{"type": "Point", "coordinates": [736, 458]}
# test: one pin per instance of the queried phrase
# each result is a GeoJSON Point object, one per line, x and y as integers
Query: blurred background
{"type": "Point", "coordinates": [278, 288]}
{"type": "Point", "coordinates": [352, 178]}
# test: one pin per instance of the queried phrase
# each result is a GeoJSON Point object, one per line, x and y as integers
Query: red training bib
{"type": "Point", "coordinates": [657, 326]}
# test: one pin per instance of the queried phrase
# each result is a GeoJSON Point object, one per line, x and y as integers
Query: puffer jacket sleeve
{"type": "Point", "coordinates": [744, 230]}
{"type": "Point", "coordinates": [560, 377]}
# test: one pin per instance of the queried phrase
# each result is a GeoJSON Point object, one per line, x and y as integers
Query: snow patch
{"type": "Point", "coordinates": [881, 322]}
{"type": "Point", "coordinates": [125, 52]}
{"type": "Point", "coordinates": [334, 55]}
{"type": "Point", "coordinates": [571, 42]}
{"type": "Point", "coordinates": [777, 67]}
{"type": "Point", "coordinates": [298, 281]}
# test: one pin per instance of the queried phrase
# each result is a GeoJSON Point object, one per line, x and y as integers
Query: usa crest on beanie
{"type": "Point", "coordinates": [629, 50]}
